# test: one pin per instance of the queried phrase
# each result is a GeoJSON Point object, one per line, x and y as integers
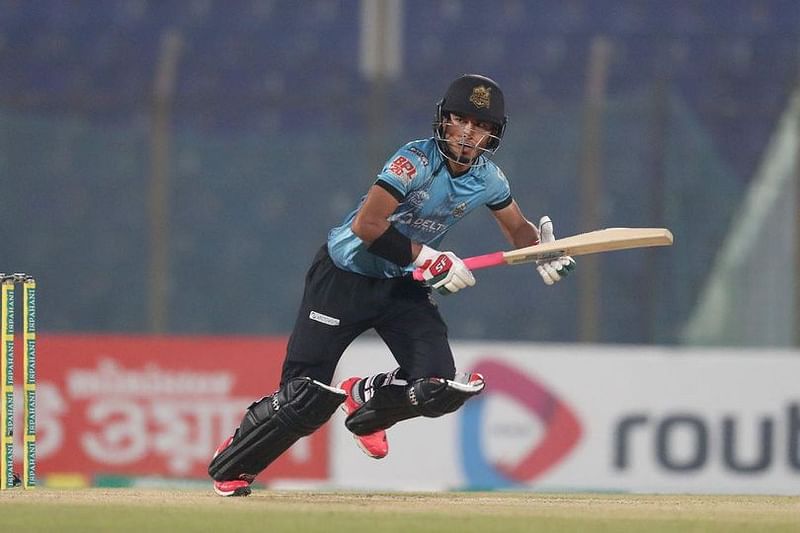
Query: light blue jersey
{"type": "Point", "coordinates": [431, 201]}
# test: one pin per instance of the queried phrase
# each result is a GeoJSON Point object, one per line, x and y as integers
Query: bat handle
{"type": "Point", "coordinates": [484, 261]}
{"type": "Point", "coordinates": [473, 263]}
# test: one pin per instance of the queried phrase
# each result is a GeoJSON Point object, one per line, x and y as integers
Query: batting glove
{"type": "Point", "coordinates": [443, 271]}
{"type": "Point", "coordinates": [552, 270]}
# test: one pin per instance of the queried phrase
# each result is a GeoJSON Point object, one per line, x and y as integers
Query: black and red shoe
{"type": "Point", "coordinates": [233, 487]}
{"type": "Point", "coordinates": [375, 444]}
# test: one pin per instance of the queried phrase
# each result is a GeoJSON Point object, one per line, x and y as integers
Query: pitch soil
{"type": "Point", "coordinates": [125, 510]}
{"type": "Point", "coordinates": [533, 504]}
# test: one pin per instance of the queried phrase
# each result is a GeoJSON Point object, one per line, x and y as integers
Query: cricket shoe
{"type": "Point", "coordinates": [375, 444]}
{"type": "Point", "coordinates": [471, 382]}
{"type": "Point", "coordinates": [232, 487]}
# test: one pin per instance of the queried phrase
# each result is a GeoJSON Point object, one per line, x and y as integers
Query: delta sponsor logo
{"type": "Point", "coordinates": [515, 431]}
{"type": "Point", "coordinates": [419, 223]}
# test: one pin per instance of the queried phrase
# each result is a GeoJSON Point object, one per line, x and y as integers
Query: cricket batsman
{"type": "Point", "coordinates": [361, 280]}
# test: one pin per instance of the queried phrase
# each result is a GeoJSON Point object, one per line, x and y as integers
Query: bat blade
{"type": "Point", "coordinates": [604, 240]}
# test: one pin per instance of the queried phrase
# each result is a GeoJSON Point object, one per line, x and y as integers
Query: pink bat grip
{"type": "Point", "coordinates": [473, 263]}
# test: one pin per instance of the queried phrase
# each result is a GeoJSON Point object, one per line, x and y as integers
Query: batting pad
{"type": "Point", "coordinates": [272, 425]}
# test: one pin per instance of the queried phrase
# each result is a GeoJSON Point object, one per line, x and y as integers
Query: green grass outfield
{"type": "Point", "coordinates": [149, 511]}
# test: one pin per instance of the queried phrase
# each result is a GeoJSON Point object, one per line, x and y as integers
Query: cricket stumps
{"type": "Point", "coordinates": [8, 286]}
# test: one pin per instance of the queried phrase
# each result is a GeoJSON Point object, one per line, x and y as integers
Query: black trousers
{"type": "Point", "coordinates": [338, 306]}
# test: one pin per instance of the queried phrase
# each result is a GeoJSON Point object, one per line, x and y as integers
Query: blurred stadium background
{"type": "Point", "coordinates": [276, 123]}
{"type": "Point", "coordinates": [171, 167]}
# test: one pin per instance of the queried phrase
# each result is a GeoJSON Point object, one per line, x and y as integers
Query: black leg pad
{"type": "Point", "coordinates": [272, 424]}
{"type": "Point", "coordinates": [429, 397]}
{"type": "Point", "coordinates": [388, 406]}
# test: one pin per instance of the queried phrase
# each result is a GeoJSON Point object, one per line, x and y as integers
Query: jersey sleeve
{"type": "Point", "coordinates": [498, 191]}
{"type": "Point", "coordinates": [404, 168]}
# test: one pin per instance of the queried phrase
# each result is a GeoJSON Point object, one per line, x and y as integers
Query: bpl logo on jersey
{"type": "Point", "coordinates": [403, 168]}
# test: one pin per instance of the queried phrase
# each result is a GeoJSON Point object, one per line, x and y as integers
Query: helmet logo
{"type": "Point", "coordinates": [481, 96]}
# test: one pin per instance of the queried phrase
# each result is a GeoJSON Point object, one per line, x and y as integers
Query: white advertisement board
{"type": "Point", "coordinates": [575, 418]}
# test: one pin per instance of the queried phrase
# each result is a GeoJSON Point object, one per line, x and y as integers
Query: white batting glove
{"type": "Point", "coordinates": [443, 271]}
{"type": "Point", "coordinates": [552, 270]}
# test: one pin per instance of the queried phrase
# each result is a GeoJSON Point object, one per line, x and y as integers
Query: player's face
{"type": "Point", "coordinates": [467, 136]}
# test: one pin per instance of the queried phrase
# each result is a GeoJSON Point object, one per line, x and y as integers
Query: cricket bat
{"type": "Point", "coordinates": [604, 240]}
